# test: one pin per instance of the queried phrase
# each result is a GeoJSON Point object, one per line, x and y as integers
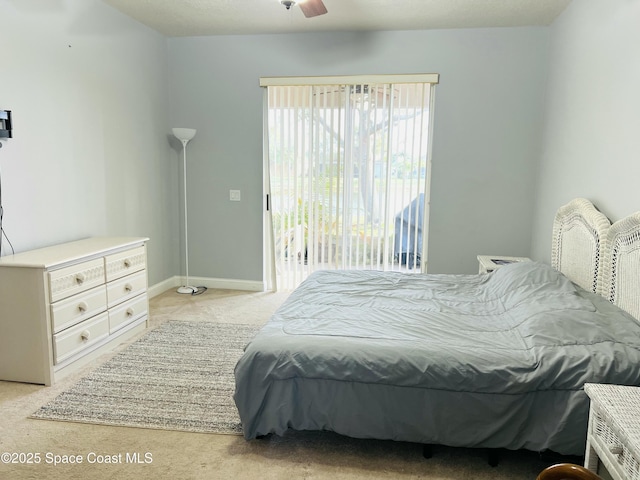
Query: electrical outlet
{"type": "Point", "coordinates": [234, 195]}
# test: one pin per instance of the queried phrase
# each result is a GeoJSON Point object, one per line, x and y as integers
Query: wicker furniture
{"type": "Point", "coordinates": [579, 232]}
{"type": "Point", "coordinates": [613, 438]}
{"type": "Point", "coordinates": [621, 281]}
{"type": "Point", "coordinates": [567, 471]}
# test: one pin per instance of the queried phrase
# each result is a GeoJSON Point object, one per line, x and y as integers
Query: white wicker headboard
{"type": "Point", "coordinates": [579, 231]}
{"type": "Point", "coordinates": [621, 268]}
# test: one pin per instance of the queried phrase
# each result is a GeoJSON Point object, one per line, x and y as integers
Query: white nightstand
{"type": "Point", "coordinates": [489, 263]}
{"type": "Point", "coordinates": [613, 438]}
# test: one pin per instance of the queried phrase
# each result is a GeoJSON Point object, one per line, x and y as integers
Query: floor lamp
{"type": "Point", "coordinates": [184, 135]}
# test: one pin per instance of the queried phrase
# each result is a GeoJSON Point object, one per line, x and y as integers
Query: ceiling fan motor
{"type": "Point", "coordinates": [288, 3]}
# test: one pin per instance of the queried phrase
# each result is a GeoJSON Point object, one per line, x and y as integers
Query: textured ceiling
{"type": "Point", "coordinates": [176, 18]}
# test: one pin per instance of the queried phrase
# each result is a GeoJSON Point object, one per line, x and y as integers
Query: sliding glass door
{"type": "Point", "coordinates": [347, 170]}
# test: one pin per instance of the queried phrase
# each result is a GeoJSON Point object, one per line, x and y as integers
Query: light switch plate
{"type": "Point", "coordinates": [234, 195]}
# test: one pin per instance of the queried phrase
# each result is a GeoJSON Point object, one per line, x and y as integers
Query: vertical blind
{"type": "Point", "coordinates": [347, 171]}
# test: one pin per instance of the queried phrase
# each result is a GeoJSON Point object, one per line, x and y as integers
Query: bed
{"type": "Point", "coordinates": [493, 360]}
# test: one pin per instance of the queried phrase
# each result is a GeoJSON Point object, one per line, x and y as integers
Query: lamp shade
{"type": "Point", "coordinates": [184, 134]}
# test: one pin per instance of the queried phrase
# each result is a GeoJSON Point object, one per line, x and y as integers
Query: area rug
{"type": "Point", "coordinates": [179, 376]}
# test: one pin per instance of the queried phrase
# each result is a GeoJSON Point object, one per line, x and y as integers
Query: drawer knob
{"type": "Point", "coordinates": [615, 449]}
{"type": "Point", "coordinates": [128, 287]}
{"type": "Point", "coordinates": [127, 263]}
{"type": "Point", "coordinates": [85, 335]}
{"type": "Point", "coordinates": [83, 307]}
{"type": "Point", "coordinates": [130, 312]}
{"type": "Point", "coordinates": [80, 278]}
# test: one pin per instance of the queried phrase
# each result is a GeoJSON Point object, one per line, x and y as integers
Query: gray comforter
{"type": "Point", "coordinates": [495, 360]}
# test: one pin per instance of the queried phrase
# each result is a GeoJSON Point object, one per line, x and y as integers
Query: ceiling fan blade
{"type": "Point", "coordinates": [312, 8]}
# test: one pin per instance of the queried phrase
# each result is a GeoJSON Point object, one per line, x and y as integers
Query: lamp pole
{"type": "Point", "coordinates": [184, 135]}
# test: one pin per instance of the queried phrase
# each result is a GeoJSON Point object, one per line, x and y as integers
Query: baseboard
{"type": "Point", "coordinates": [221, 283]}
{"type": "Point", "coordinates": [158, 288]}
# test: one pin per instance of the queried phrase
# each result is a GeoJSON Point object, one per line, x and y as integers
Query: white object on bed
{"type": "Point", "coordinates": [621, 268]}
{"type": "Point", "coordinates": [579, 230]}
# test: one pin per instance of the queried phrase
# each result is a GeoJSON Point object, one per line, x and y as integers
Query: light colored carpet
{"type": "Point", "coordinates": [179, 376]}
{"type": "Point", "coordinates": [198, 456]}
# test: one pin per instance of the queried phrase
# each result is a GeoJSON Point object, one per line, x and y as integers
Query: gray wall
{"type": "Point", "coordinates": [94, 95]}
{"type": "Point", "coordinates": [591, 145]}
{"type": "Point", "coordinates": [90, 156]}
{"type": "Point", "coordinates": [488, 123]}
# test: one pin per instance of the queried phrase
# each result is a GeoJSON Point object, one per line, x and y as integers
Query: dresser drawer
{"type": "Point", "coordinates": [124, 263]}
{"type": "Point", "coordinates": [126, 288]}
{"type": "Point", "coordinates": [75, 279]}
{"type": "Point", "coordinates": [74, 340]}
{"type": "Point", "coordinates": [128, 312]}
{"type": "Point", "coordinates": [72, 310]}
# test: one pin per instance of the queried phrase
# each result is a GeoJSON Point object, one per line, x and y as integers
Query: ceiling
{"type": "Point", "coordinates": [178, 18]}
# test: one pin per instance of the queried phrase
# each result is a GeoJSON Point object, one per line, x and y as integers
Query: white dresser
{"type": "Point", "coordinates": [62, 306]}
{"type": "Point", "coordinates": [613, 437]}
